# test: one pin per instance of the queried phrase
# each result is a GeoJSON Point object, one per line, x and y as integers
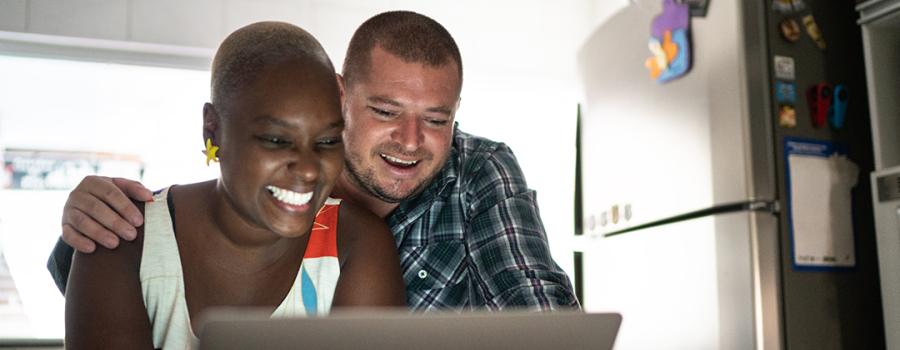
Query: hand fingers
{"type": "Point", "coordinates": [76, 240]}
{"type": "Point", "coordinates": [85, 227]}
{"type": "Point", "coordinates": [89, 215]}
{"type": "Point", "coordinates": [107, 191]}
{"type": "Point", "coordinates": [133, 189]}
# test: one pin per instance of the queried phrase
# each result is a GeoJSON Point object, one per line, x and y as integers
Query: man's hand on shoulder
{"type": "Point", "coordinates": [100, 210]}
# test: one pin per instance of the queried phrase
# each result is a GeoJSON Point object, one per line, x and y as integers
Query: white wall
{"type": "Point", "coordinates": [519, 58]}
{"type": "Point", "coordinates": [149, 112]}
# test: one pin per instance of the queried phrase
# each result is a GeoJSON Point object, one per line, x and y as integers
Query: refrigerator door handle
{"type": "Point", "coordinates": [768, 206]}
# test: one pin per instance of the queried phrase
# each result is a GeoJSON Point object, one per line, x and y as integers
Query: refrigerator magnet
{"type": "Point", "coordinates": [790, 30]}
{"type": "Point", "coordinates": [818, 98]}
{"type": "Point", "coordinates": [787, 116]}
{"type": "Point", "coordinates": [819, 180]}
{"type": "Point", "coordinates": [788, 6]}
{"type": "Point", "coordinates": [782, 6]}
{"type": "Point", "coordinates": [785, 92]}
{"type": "Point", "coordinates": [697, 8]}
{"type": "Point", "coordinates": [669, 43]}
{"type": "Point", "coordinates": [813, 30]}
{"type": "Point", "coordinates": [838, 110]}
{"type": "Point", "coordinates": [784, 67]}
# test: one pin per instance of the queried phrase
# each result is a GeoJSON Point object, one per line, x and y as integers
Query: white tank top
{"type": "Point", "coordinates": [162, 280]}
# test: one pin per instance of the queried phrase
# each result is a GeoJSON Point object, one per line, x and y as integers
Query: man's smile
{"type": "Point", "coordinates": [398, 162]}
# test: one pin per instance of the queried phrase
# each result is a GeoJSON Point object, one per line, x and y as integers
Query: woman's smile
{"type": "Point", "coordinates": [290, 200]}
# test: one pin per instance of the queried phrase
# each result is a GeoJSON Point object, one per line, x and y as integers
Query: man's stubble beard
{"type": "Point", "coordinates": [364, 179]}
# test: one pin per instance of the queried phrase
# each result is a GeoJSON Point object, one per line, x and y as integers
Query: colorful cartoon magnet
{"type": "Point", "coordinates": [787, 116]}
{"type": "Point", "coordinates": [670, 43]}
{"type": "Point", "coordinates": [838, 111]}
{"type": "Point", "coordinates": [813, 30]}
{"type": "Point", "coordinates": [790, 30]}
{"type": "Point", "coordinates": [784, 68]}
{"type": "Point", "coordinates": [818, 97]}
{"type": "Point", "coordinates": [785, 92]}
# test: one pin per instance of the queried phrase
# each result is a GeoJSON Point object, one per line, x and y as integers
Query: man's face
{"type": "Point", "coordinates": [281, 147]}
{"type": "Point", "coordinates": [399, 125]}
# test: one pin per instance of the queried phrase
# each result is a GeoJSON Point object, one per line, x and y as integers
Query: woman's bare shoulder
{"type": "Point", "coordinates": [370, 265]}
{"type": "Point", "coordinates": [358, 227]}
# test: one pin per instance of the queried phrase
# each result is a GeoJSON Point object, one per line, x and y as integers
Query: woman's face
{"type": "Point", "coordinates": [280, 147]}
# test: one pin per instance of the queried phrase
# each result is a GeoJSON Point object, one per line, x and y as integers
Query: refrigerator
{"type": "Point", "coordinates": [707, 219]}
{"type": "Point", "coordinates": [880, 22]}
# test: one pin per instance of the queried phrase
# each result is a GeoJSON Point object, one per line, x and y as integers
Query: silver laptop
{"type": "Point", "coordinates": [236, 329]}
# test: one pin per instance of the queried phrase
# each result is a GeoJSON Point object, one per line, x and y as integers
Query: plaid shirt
{"type": "Point", "coordinates": [474, 238]}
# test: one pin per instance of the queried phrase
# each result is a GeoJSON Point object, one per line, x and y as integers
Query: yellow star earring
{"type": "Point", "coordinates": [211, 152]}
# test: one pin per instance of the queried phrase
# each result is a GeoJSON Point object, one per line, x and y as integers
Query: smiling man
{"type": "Point", "coordinates": [466, 225]}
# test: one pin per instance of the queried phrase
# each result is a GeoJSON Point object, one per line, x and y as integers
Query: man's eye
{"type": "Point", "coordinates": [437, 122]}
{"type": "Point", "coordinates": [382, 112]}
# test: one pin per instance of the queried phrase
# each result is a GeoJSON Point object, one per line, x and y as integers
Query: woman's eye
{"type": "Point", "coordinates": [273, 141]}
{"type": "Point", "coordinates": [329, 142]}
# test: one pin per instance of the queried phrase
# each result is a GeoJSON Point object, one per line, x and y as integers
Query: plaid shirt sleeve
{"type": "Point", "coordinates": [59, 264]}
{"type": "Point", "coordinates": [512, 266]}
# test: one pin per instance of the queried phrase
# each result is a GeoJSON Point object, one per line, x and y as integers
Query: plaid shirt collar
{"type": "Point", "coordinates": [410, 210]}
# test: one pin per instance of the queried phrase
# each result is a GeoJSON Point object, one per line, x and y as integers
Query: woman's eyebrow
{"type": "Point", "coordinates": [270, 120]}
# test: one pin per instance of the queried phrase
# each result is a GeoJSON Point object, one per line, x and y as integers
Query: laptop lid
{"type": "Point", "coordinates": [235, 329]}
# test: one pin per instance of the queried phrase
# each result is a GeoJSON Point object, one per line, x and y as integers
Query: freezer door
{"type": "Point", "coordinates": [706, 283]}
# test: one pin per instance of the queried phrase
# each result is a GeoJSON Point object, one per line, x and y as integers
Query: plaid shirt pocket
{"type": "Point", "coordinates": [434, 274]}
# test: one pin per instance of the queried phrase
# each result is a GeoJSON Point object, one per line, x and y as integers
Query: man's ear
{"type": "Point", "coordinates": [211, 122]}
{"type": "Point", "coordinates": [455, 110]}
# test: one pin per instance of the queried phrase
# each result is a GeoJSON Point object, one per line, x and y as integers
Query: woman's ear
{"type": "Point", "coordinates": [211, 122]}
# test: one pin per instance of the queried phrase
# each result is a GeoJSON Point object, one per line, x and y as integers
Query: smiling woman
{"type": "Point", "coordinates": [265, 234]}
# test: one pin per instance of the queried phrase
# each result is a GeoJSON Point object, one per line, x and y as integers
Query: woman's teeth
{"type": "Point", "coordinates": [290, 197]}
{"type": "Point", "coordinates": [399, 161]}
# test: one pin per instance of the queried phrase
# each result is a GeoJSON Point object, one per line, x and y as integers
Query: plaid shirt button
{"type": "Point", "coordinates": [423, 274]}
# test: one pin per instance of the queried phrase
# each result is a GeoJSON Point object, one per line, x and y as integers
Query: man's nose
{"type": "Point", "coordinates": [409, 133]}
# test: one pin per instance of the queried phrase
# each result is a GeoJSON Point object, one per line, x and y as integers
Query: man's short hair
{"type": "Point", "coordinates": [411, 36]}
{"type": "Point", "coordinates": [247, 51]}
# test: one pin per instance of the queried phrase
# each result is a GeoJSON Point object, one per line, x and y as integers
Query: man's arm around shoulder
{"type": "Point", "coordinates": [104, 300]}
{"type": "Point", "coordinates": [96, 212]}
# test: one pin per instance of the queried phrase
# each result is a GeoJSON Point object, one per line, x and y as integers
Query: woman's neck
{"type": "Point", "coordinates": [225, 230]}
